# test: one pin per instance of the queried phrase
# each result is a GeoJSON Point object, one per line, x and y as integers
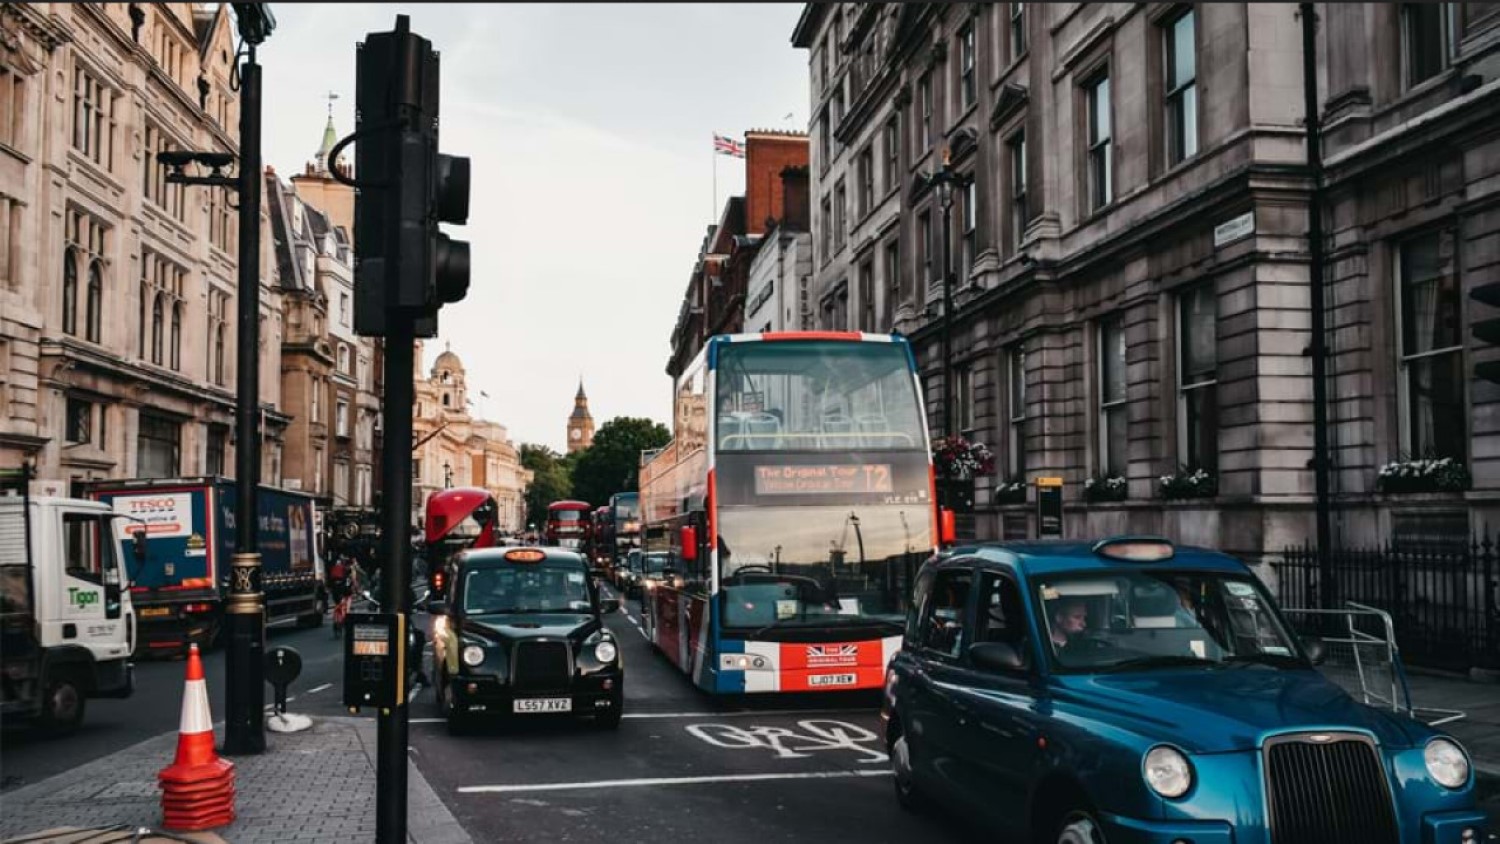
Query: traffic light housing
{"type": "Point", "coordinates": [405, 266]}
{"type": "Point", "coordinates": [1487, 331]}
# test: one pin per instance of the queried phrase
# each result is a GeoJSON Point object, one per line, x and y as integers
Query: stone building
{"type": "Point", "coordinates": [452, 448]}
{"type": "Point", "coordinates": [118, 291]}
{"type": "Point", "coordinates": [1130, 261]}
{"type": "Point", "coordinates": [580, 422]}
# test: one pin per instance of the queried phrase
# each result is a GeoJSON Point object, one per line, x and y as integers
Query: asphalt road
{"type": "Point", "coordinates": [28, 755]}
{"type": "Point", "coordinates": [682, 765]}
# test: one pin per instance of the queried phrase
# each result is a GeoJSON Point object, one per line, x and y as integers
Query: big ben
{"type": "Point", "coordinates": [580, 423]}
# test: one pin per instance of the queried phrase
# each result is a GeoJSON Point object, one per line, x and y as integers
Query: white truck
{"type": "Point", "coordinates": [66, 623]}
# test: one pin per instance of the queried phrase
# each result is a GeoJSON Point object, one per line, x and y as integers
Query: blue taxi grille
{"type": "Point", "coordinates": [1332, 788]}
{"type": "Point", "coordinates": [541, 667]}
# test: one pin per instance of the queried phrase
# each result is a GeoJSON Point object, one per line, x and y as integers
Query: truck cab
{"type": "Point", "coordinates": [66, 620]}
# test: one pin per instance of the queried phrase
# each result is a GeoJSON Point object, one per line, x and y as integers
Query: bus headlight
{"type": "Point", "coordinates": [1446, 763]}
{"type": "Point", "coordinates": [605, 652]}
{"type": "Point", "coordinates": [473, 655]}
{"type": "Point", "coordinates": [1167, 771]}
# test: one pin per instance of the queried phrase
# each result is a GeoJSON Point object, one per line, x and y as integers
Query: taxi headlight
{"type": "Point", "coordinates": [605, 652]}
{"type": "Point", "coordinates": [1446, 763]}
{"type": "Point", "coordinates": [473, 655]}
{"type": "Point", "coordinates": [1167, 771]}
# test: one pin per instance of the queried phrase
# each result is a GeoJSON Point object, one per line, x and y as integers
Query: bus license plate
{"type": "Point", "coordinates": [544, 704]}
{"type": "Point", "coordinates": [151, 612]}
{"type": "Point", "coordinates": [830, 680]}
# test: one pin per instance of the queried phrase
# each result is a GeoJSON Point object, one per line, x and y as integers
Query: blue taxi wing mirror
{"type": "Point", "coordinates": [1317, 651]}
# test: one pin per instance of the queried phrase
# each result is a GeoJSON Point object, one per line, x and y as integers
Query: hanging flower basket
{"type": "Point", "coordinates": [1105, 488]}
{"type": "Point", "coordinates": [1189, 483]}
{"type": "Point", "coordinates": [957, 459]}
{"type": "Point", "coordinates": [1440, 474]}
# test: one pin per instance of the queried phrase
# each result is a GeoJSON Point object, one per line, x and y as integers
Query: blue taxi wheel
{"type": "Point", "coordinates": [1079, 828]}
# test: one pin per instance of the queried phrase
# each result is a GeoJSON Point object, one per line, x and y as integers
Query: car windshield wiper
{"type": "Point", "coordinates": [1158, 661]}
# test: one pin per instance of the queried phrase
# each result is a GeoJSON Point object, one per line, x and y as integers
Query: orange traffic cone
{"type": "Point", "coordinates": [198, 787]}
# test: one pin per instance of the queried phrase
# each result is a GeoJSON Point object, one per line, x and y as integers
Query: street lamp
{"type": "Point", "coordinates": [947, 182]}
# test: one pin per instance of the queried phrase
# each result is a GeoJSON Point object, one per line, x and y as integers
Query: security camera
{"type": "Point", "coordinates": [215, 160]}
{"type": "Point", "coordinates": [176, 157]}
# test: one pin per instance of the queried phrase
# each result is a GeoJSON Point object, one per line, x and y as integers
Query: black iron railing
{"type": "Point", "coordinates": [1445, 602]}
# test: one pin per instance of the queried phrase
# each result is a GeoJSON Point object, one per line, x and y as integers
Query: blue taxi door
{"type": "Point", "coordinates": [998, 712]}
{"type": "Point", "coordinates": [941, 639]}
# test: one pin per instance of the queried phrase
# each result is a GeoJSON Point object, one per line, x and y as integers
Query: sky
{"type": "Point", "coordinates": [590, 131]}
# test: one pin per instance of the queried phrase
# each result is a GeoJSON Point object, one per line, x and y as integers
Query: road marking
{"type": "Point", "coordinates": [320, 688]}
{"type": "Point", "coordinates": [574, 786]}
{"type": "Point", "coordinates": [426, 720]}
{"type": "Point", "coordinates": [786, 743]}
{"type": "Point", "coordinates": [737, 713]}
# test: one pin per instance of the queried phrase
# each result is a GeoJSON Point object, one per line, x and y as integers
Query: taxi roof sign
{"type": "Point", "coordinates": [1136, 549]}
{"type": "Point", "coordinates": [525, 555]}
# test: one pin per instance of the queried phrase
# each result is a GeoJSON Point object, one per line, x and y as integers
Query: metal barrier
{"type": "Point", "coordinates": [1362, 656]}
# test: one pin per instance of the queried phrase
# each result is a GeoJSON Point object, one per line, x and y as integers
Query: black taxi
{"type": "Point", "coordinates": [521, 634]}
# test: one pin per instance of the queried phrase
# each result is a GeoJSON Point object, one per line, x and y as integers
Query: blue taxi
{"type": "Point", "coordinates": [1132, 691]}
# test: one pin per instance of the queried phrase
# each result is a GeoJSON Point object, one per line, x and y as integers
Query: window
{"type": "Point", "coordinates": [892, 177]}
{"type": "Point", "coordinates": [924, 106]}
{"type": "Point", "coordinates": [1100, 177]}
{"type": "Point", "coordinates": [823, 67]}
{"type": "Point", "coordinates": [892, 282]}
{"type": "Point", "coordinates": [1016, 369]}
{"type": "Point", "coordinates": [827, 238]}
{"type": "Point", "coordinates": [1198, 406]}
{"type": "Point", "coordinates": [1002, 615]}
{"type": "Point", "coordinates": [966, 89]}
{"type": "Point", "coordinates": [1113, 418]}
{"type": "Point", "coordinates": [866, 187]}
{"type": "Point", "coordinates": [341, 481]}
{"type": "Point", "coordinates": [867, 296]}
{"type": "Point", "coordinates": [942, 629]}
{"type": "Point", "coordinates": [218, 440]}
{"type": "Point", "coordinates": [83, 553]}
{"type": "Point", "coordinates": [12, 107]}
{"type": "Point", "coordinates": [344, 361]}
{"type": "Point", "coordinates": [840, 214]}
{"type": "Point", "coordinates": [168, 196]}
{"type": "Point", "coordinates": [316, 412]}
{"type": "Point", "coordinates": [176, 347]}
{"type": "Point", "coordinates": [963, 397]}
{"type": "Point", "coordinates": [11, 212]}
{"type": "Point", "coordinates": [70, 293]}
{"type": "Point", "coordinates": [824, 156]}
{"type": "Point", "coordinates": [157, 446]}
{"type": "Point", "coordinates": [218, 317]}
{"type": "Point", "coordinates": [1181, 88]}
{"type": "Point", "coordinates": [1017, 30]}
{"type": "Point", "coordinates": [156, 328]}
{"type": "Point", "coordinates": [924, 255]}
{"type": "Point", "coordinates": [162, 285]}
{"type": "Point", "coordinates": [80, 422]}
{"type": "Point", "coordinates": [93, 118]}
{"type": "Point", "coordinates": [1020, 214]}
{"type": "Point", "coordinates": [970, 224]}
{"type": "Point", "coordinates": [95, 303]}
{"type": "Point", "coordinates": [1425, 40]}
{"type": "Point", "coordinates": [344, 310]}
{"type": "Point", "coordinates": [1431, 348]}
{"type": "Point", "coordinates": [317, 468]}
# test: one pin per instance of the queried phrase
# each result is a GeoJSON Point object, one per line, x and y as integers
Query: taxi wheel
{"type": "Point", "coordinates": [1079, 828]}
{"type": "Point", "coordinates": [908, 795]}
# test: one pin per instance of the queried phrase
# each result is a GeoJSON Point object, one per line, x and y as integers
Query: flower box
{"type": "Point", "coordinates": [1106, 488]}
{"type": "Point", "coordinates": [1188, 482]}
{"type": "Point", "coordinates": [1440, 474]}
{"type": "Point", "coordinates": [955, 458]}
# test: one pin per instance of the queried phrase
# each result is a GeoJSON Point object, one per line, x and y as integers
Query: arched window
{"type": "Point", "coordinates": [141, 328]}
{"type": "Point", "coordinates": [219, 355]}
{"type": "Point", "coordinates": [445, 399]}
{"type": "Point", "coordinates": [344, 359]}
{"type": "Point", "coordinates": [176, 335]}
{"type": "Point", "coordinates": [70, 293]}
{"type": "Point", "coordinates": [156, 307]}
{"type": "Point", "coordinates": [92, 313]}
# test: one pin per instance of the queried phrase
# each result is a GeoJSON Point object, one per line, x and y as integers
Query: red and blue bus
{"type": "Point", "coordinates": [795, 504]}
{"type": "Point", "coordinates": [569, 524]}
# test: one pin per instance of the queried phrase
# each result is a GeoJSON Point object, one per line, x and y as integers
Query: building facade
{"type": "Point", "coordinates": [118, 290]}
{"type": "Point", "coordinates": [1130, 261]}
{"type": "Point", "coordinates": [453, 448]}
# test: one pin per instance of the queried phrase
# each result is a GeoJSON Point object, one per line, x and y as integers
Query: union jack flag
{"type": "Point", "coordinates": [832, 650]}
{"type": "Point", "coordinates": [728, 146]}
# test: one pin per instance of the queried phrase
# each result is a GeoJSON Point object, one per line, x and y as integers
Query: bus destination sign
{"type": "Point", "coordinates": [823, 478]}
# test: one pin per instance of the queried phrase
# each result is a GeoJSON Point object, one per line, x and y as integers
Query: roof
{"type": "Point", "coordinates": [497, 555]}
{"type": "Point", "coordinates": [448, 360]}
{"type": "Point", "coordinates": [1063, 555]}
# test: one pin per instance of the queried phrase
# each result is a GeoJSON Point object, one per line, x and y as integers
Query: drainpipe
{"type": "Point", "coordinates": [1321, 463]}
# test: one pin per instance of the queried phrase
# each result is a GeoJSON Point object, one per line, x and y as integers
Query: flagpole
{"type": "Point", "coordinates": [713, 215]}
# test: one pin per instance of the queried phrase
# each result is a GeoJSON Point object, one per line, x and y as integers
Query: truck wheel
{"type": "Point", "coordinates": [62, 705]}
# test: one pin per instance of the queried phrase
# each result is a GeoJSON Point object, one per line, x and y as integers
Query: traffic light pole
{"type": "Point", "coordinates": [395, 476]}
{"type": "Point", "coordinates": [1328, 594]}
{"type": "Point", "coordinates": [245, 689]}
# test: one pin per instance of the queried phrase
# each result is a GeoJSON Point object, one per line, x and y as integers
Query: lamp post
{"type": "Point", "coordinates": [447, 475]}
{"type": "Point", "coordinates": [946, 181]}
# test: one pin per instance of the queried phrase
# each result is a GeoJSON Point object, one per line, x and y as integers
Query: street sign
{"type": "Point", "coordinates": [1049, 509]}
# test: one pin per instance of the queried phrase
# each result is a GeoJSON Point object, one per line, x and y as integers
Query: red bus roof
{"type": "Point", "coordinates": [570, 505]}
{"type": "Point", "coordinates": [447, 508]}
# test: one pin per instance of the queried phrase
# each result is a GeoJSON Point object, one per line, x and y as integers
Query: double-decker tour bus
{"type": "Point", "coordinates": [568, 524]}
{"type": "Point", "coordinates": [601, 537]}
{"type": "Point", "coordinates": [795, 504]}
{"type": "Point", "coordinates": [456, 519]}
{"type": "Point", "coordinates": [625, 520]}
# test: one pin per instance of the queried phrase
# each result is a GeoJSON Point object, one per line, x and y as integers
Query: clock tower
{"type": "Point", "coordinates": [580, 423]}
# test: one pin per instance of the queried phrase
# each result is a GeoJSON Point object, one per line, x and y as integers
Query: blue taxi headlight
{"type": "Point", "coordinates": [1167, 771]}
{"type": "Point", "coordinates": [1446, 763]}
{"type": "Point", "coordinates": [473, 655]}
{"type": "Point", "coordinates": [605, 652]}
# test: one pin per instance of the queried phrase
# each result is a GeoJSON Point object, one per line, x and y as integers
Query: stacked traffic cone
{"type": "Point", "coordinates": [197, 790]}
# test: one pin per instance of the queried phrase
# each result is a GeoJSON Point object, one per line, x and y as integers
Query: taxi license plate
{"type": "Point", "coordinates": [150, 612]}
{"type": "Point", "coordinates": [544, 704]}
{"type": "Point", "coordinates": [830, 680]}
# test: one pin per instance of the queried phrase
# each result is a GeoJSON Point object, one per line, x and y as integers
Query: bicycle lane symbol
{"type": "Point", "coordinates": [810, 737]}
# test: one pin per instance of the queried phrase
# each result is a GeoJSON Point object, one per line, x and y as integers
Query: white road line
{"type": "Point", "coordinates": [314, 691]}
{"type": "Point", "coordinates": [652, 781]}
{"type": "Point", "coordinates": [426, 720]}
{"type": "Point", "coordinates": [741, 713]}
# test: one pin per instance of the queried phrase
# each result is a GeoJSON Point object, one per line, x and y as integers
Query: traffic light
{"type": "Point", "coordinates": [1487, 331]}
{"type": "Point", "coordinates": [405, 266]}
